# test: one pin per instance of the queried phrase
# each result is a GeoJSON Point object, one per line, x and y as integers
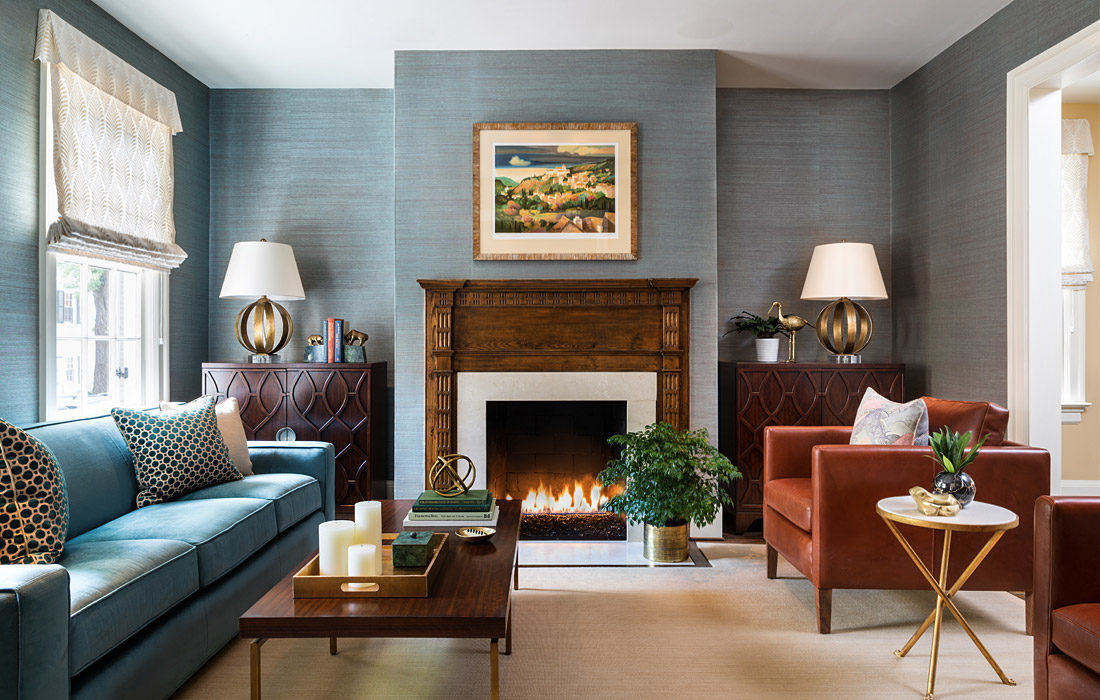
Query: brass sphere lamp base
{"type": "Point", "coordinates": [256, 329]}
{"type": "Point", "coordinates": [844, 328]}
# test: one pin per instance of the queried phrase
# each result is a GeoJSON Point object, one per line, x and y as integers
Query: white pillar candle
{"type": "Point", "coordinates": [335, 537]}
{"type": "Point", "coordinates": [363, 560]}
{"type": "Point", "coordinates": [368, 523]}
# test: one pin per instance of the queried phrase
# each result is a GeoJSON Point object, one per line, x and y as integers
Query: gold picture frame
{"type": "Point", "coordinates": [576, 196]}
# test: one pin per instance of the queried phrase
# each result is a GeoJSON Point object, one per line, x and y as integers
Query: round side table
{"type": "Point", "coordinates": [976, 517]}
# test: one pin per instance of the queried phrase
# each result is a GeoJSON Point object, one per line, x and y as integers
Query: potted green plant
{"type": "Point", "coordinates": [672, 478]}
{"type": "Point", "coordinates": [765, 329]}
{"type": "Point", "coordinates": [949, 450]}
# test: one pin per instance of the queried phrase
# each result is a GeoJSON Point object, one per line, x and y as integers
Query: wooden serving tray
{"type": "Point", "coordinates": [393, 583]}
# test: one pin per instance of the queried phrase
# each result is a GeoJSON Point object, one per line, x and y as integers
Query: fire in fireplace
{"type": "Point", "coordinates": [547, 454]}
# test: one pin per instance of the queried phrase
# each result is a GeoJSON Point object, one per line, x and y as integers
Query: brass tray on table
{"type": "Point", "coordinates": [399, 582]}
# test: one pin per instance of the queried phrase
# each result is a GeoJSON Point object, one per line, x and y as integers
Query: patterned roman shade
{"type": "Point", "coordinates": [112, 130]}
{"type": "Point", "coordinates": [1076, 149]}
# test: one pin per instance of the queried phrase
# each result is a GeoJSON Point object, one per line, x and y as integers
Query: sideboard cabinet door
{"type": "Point", "coordinates": [261, 394]}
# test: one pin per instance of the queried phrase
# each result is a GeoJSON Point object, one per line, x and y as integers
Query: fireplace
{"type": "Point", "coordinates": [548, 454]}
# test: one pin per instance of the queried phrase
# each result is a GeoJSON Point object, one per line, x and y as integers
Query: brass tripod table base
{"type": "Point", "coordinates": [986, 518]}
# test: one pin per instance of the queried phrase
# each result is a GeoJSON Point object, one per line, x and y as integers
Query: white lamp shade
{"type": "Point", "coordinates": [262, 268]}
{"type": "Point", "coordinates": [843, 270]}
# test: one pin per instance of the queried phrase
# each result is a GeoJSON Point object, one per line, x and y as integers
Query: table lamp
{"type": "Point", "coordinates": [268, 271]}
{"type": "Point", "coordinates": [842, 272]}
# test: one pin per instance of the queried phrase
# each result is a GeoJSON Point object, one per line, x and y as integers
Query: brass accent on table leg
{"type": "Point", "coordinates": [508, 630]}
{"type": "Point", "coordinates": [332, 646]}
{"type": "Point", "coordinates": [515, 577]}
{"type": "Point", "coordinates": [947, 602]}
{"type": "Point", "coordinates": [494, 670]}
{"type": "Point", "coordinates": [254, 663]}
{"type": "Point", "coordinates": [930, 688]}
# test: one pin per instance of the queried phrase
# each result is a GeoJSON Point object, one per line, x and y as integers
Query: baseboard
{"type": "Point", "coordinates": [1079, 487]}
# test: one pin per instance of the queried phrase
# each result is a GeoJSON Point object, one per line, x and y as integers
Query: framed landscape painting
{"type": "Point", "coordinates": [556, 191]}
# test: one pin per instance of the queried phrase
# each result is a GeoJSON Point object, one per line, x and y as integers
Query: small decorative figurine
{"type": "Point", "coordinates": [934, 503]}
{"type": "Point", "coordinates": [315, 340]}
{"type": "Point", "coordinates": [445, 479]}
{"type": "Point", "coordinates": [354, 337]}
{"type": "Point", "coordinates": [792, 324]}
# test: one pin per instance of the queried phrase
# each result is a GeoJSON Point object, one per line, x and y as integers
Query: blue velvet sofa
{"type": "Point", "coordinates": [142, 598]}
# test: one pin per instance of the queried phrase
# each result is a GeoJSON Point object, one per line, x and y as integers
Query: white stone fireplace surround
{"type": "Point", "coordinates": [474, 389]}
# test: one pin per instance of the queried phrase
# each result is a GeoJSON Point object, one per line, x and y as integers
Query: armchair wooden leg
{"type": "Point", "coordinates": [1029, 612]}
{"type": "Point", "coordinates": [824, 599]}
{"type": "Point", "coordinates": [773, 560]}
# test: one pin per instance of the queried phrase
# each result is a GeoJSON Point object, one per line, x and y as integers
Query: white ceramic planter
{"type": "Point", "coordinates": [767, 349]}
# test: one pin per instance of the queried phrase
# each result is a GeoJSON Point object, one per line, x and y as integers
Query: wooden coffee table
{"type": "Point", "coordinates": [470, 599]}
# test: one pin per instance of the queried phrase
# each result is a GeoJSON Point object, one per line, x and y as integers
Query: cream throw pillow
{"type": "Point", "coordinates": [228, 413]}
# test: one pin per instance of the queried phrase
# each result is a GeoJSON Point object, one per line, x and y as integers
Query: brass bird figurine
{"type": "Point", "coordinates": [792, 324]}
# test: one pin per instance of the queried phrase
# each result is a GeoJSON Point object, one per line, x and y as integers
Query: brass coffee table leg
{"type": "Point", "coordinates": [955, 588]}
{"type": "Point", "coordinates": [515, 577]}
{"type": "Point", "coordinates": [494, 670]}
{"type": "Point", "coordinates": [948, 603]}
{"type": "Point", "coordinates": [254, 654]}
{"type": "Point", "coordinates": [332, 646]}
{"type": "Point", "coordinates": [508, 630]}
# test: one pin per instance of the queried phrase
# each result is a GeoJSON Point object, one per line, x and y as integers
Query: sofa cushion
{"type": "Point", "coordinates": [225, 531]}
{"type": "Point", "coordinates": [118, 587]}
{"type": "Point", "coordinates": [34, 507]}
{"type": "Point", "coordinates": [175, 453]}
{"type": "Point", "coordinates": [295, 495]}
{"type": "Point", "coordinates": [981, 418]}
{"type": "Point", "coordinates": [791, 498]}
{"type": "Point", "coordinates": [1075, 630]}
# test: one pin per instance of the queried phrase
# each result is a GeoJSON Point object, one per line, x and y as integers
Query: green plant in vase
{"type": "Point", "coordinates": [949, 450]}
{"type": "Point", "coordinates": [764, 329]}
{"type": "Point", "coordinates": [672, 478]}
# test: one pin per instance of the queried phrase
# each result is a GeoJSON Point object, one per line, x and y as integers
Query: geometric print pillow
{"type": "Point", "coordinates": [175, 453]}
{"type": "Point", "coordinates": [880, 421]}
{"type": "Point", "coordinates": [34, 506]}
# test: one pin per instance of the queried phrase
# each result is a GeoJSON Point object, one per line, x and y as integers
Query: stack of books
{"type": "Point", "coordinates": [475, 507]}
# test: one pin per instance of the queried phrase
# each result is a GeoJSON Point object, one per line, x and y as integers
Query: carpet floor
{"type": "Point", "coordinates": [693, 632]}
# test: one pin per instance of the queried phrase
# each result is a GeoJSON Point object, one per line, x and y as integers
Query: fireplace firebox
{"type": "Point", "coordinates": [547, 454]}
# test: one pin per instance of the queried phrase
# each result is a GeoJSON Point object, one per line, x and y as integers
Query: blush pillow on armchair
{"type": "Point", "coordinates": [880, 421]}
{"type": "Point", "coordinates": [175, 453]}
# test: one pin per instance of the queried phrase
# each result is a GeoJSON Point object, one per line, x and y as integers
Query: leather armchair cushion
{"type": "Point", "coordinates": [793, 498]}
{"type": "Point", "coordinates": [116, 588]}
{"type": "Point", "coordinates": [1069, 680]}
{"type": "Point", "coordinates": [295, 495]}
{"type": "Point", "coordinates": [224, 531]}
{"type": "Point", "coordinates": [979, 417]}
{"type": "Point", "coordinates": [1075, 630]}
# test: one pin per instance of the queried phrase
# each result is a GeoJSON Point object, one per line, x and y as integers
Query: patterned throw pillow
{"type": "Point", "coordinates": [175, 453]}
{"type": "Point", "coordinates": [230, 426]}
{"type": "Point", "coordinates": [34, 507]}
{"type": "Point", "coordinates": [880, 421]}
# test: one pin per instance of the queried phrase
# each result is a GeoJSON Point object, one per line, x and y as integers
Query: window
{"type": "Point", "coordinates": [108, 234]}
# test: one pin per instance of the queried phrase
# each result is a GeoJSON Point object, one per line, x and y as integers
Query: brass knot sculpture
{"type": "Point", "coordinates": [315, 340]}
{"type": "Point", "coordinates": [943, 504]}
{"type": "Point", "coordinates": [445, 479]}
{"type": "Point", "coordinates": [354, 337]}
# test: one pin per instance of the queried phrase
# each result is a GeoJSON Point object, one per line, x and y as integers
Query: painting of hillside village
{"type": "Point", "coordinates": [562, 189]}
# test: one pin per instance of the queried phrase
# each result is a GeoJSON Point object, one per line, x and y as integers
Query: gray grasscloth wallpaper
{"type": "Point", "coordinates": [947, 125]}
{"type": "Point", "coordinates": [439, 95]}
{"type": "Point", "coordinates": [19, 197]}
{"type": "Point", "coordinates": [797, 168]}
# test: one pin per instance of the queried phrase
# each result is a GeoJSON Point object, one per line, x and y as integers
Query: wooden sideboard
{"type": "Point", "coordinates": [342, 403]}
{"type": "Point", "coordinates": [754, 395]}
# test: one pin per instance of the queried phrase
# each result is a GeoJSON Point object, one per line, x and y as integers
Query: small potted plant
{"type": "Point", "coordinates": [765, 329]}
{"type": "Point", "coordinates": [673, 478]}
{"type": "Point", "coordinates": [949, 450]}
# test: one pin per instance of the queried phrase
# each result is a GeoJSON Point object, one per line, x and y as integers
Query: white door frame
{"type": "Point", "coordinates": [1034, 326]}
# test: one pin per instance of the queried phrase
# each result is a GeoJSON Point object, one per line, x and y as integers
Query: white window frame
{"type": "Point", "coordinates": [154, 285]}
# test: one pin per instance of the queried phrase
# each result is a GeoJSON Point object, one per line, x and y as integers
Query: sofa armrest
{"type": "Point", "coordinates": [34, 631]}
{"type": "Point", "coordinates": [316, 459]}
{"type": "Point", "coordinates": [787, 448]}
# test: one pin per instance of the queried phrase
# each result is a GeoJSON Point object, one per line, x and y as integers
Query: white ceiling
{"type": "Point", "coordinates": [350, 43]}
{"type": "Point", "coordinates": [1084, 91]}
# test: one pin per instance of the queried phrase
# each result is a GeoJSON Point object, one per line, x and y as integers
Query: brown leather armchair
{"type": "Point", "coordinates": [1067, 598]}
{"type": "Point", "coordinates": [820, 495]}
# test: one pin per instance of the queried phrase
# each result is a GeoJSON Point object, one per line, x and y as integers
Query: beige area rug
{"type": "Point", "coordinates": [724, 631]}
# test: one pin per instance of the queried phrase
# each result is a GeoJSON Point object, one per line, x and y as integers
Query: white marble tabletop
{"type": "Point", "coordinates": [976, 517]}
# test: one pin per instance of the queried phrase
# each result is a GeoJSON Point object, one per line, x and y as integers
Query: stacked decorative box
{"type": "Point", "coordinates": [475, 507]}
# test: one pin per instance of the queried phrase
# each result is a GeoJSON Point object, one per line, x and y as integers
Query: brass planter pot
{"type": "Point", "coordinates": [667, 543]}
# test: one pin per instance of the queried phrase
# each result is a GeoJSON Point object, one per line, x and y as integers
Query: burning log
{"type": "Point", "coordinates": [572, 526]}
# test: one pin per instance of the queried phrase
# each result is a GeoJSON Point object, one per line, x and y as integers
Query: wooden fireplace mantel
{"type": "Point", "coordinates": [553, 325]}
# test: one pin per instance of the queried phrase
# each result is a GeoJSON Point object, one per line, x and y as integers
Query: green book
{"type": "Point", "coordinates": [451, 508]}
{"type": "Point", "coordinates": [473, 497]}
{"type": "Point", "coordinates": [454, 516]}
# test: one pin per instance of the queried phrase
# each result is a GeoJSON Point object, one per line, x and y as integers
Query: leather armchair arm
{"type": "Point", "coordinates": [316, 459]}
{"type": "Point", "coordinates": [787, 448]}
{"type": "Point", "coordinates": [34, 631]}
